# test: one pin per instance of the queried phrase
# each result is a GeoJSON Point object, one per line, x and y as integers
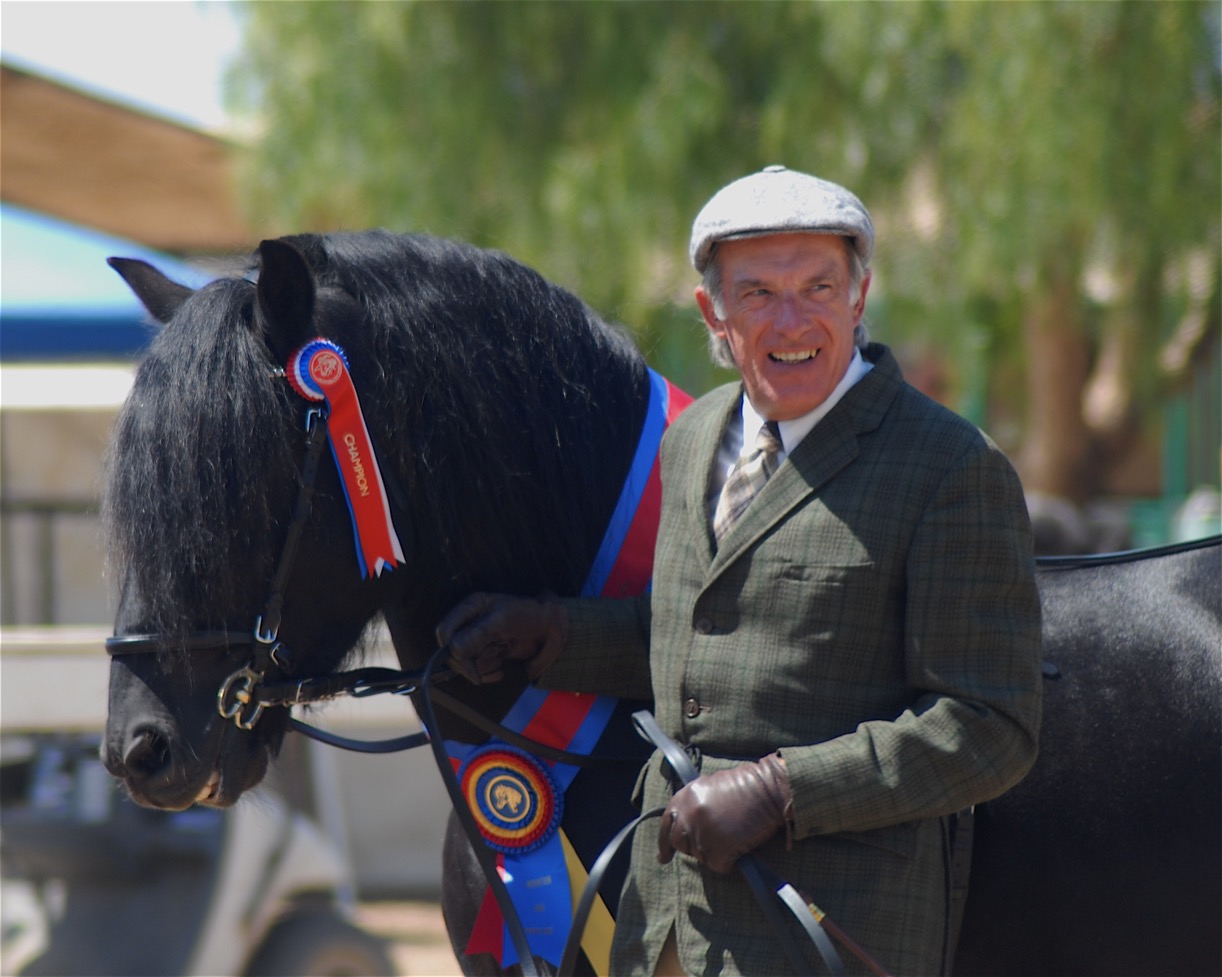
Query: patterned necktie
{"type": "Point", "coordinates": [746, 478]}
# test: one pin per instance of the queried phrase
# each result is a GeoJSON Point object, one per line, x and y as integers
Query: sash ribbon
{"type": "Point", "coordinates": [539, 880]}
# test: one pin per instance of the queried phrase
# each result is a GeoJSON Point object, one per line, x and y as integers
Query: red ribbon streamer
{"type": "Point", "coordinates": [319, 372]}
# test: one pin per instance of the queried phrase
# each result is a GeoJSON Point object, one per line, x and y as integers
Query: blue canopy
{"type": "Point", "coordinates": [59, 300]}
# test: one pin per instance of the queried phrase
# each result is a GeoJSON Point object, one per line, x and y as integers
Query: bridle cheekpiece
{"type": "Point", "coordinates": [318, 372]}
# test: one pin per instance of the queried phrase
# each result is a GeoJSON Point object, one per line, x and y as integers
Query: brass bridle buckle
{"type": "Point", "coordinates": [235, 698]}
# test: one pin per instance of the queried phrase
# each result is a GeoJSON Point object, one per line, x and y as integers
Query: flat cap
{"type": "Point", "coordinates": [777, 200]}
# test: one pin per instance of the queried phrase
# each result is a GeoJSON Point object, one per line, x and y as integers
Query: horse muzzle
{"type": "Point", "coordinates": [162, 771]}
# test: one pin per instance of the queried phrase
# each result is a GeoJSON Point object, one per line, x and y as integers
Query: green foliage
{"type": "Point", "coordinates": [1000, 146]}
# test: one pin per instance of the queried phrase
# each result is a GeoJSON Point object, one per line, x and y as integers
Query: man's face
{"type": "Point", "coordinates": [789, 317]}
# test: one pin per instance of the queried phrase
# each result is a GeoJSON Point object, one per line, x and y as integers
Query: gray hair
{"type": "Point", "coordinates": [719, 349]}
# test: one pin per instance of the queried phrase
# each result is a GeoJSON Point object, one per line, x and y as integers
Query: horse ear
{"type": "Point", "coordinates": [161, 296]}
{"type": "Point", "coordinates": [286, 297]}
{"type": "Point", "coordinates": [311, 247]}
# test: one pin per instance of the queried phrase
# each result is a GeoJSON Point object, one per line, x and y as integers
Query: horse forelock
{"type": "Point", "coordinates": [201, 467]}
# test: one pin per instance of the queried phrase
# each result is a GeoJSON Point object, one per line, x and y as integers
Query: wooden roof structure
{"type": "Point", "coordinates": [117, 169]}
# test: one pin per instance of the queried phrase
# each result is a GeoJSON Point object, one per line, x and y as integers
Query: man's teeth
{"type": "Point", "coordinates": [798, 357]}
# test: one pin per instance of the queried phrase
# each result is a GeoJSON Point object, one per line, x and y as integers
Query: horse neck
{"type": "Point", "coordinates": [505, 511]}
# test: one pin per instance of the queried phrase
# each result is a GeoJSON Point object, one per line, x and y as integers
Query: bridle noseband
{"type": "Point", "coordinates": [235, 698]}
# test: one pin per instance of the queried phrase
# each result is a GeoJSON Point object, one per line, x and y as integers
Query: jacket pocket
{"type": "Point", "coordinates": [899, 839]}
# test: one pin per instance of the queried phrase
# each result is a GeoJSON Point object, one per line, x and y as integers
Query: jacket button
{"type": "Point", "coordinates": [691, 708]}
{"type": "Point", "coordinates": [704, 626]}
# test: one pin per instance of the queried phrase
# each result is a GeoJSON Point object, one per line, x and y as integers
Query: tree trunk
{"type": "Point", "coordinates": [1109, 403]}
{"type": "Point", "coordinates": [1057, 453]}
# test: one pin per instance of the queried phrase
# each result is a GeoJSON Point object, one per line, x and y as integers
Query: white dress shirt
{"type": "Point", "coordinates": [792, 432]}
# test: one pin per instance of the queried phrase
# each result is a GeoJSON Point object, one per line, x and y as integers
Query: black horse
{"type": "Point", "coordinates": [505, 416]}
{"type": "Point", "coordinates": [1107, 858]}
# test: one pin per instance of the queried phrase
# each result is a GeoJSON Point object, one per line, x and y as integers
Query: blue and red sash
{"type": "Point", "coordinates": [516, 799]}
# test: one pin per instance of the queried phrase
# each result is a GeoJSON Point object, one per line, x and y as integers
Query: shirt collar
{"type": "Point", "coordinates": [792, 432]}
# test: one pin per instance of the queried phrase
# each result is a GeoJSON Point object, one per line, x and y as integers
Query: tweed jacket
{"type": "Point", "coordinates": [873, 617]}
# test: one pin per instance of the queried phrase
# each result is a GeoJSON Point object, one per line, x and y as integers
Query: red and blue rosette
{"type": "Point", "coordinates": [513, 797]}
{"type": "Point", "coordinates": [517, 802]}
{"type": "Point", "coordinates": [319, 372]}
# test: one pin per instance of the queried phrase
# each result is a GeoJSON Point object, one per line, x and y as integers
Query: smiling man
{"type": "Point", "coordinates": [844, 629]}
{"type": "Point", "coordinates": [787, 312]}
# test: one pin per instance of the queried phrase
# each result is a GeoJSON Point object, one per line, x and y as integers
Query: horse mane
{"type": "Point", "coordinates": [503, 409]}
{"type": "Point", "coordinates": [199, 459]}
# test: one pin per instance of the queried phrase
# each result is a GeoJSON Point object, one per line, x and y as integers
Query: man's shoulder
{"type": "Point", "coordinates": [719, 398]}
{"type": "Point", "coordinates": [904, 402]}
{"type": "Point", "coordinates": [912, 428]}
{"type": "Point", "coordinates": [698, 429]}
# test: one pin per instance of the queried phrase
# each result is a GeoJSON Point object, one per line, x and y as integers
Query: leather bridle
{"type": "Point", "coordinates": [244, 694]}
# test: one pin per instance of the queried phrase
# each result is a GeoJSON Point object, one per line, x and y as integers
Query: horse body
{"type": "Point", "coordinates": [505, 416]}
{"type": "Point", "coordinates": [1107, 857]}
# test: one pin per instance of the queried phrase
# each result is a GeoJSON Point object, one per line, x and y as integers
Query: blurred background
{"type": "Point", "coordinates": [1046, 180]}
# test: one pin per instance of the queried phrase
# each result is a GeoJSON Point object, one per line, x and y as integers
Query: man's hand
{"type": "Point", "coordinates": [721, 816]}
{"type": "Point", "coordinates": [484, 630]}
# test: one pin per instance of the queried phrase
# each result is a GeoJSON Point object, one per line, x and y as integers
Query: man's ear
{"type": "Point", "coordinates": [859, 309]}
{"type": "Point", "coordinates": [704, 302]}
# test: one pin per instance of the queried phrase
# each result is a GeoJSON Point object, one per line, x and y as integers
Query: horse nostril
{"type": "Point", "coordinates": [147, 753]}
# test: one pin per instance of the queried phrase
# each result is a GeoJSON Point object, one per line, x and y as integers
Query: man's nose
{"type": "Point", "coordinates": [789, 316]}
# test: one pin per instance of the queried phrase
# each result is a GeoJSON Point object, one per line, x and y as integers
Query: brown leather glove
{"type": "Point", "coordinates": [721, 816]}
{"type": "Point", "coordinates": [484, 630]}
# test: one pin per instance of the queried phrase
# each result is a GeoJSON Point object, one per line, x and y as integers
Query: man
{"type": "Point", "coordinates": [850, 644]}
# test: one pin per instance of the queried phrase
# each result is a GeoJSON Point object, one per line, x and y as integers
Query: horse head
{"type": "Point", "coordinates": [205, 474]}
{"type": "Point", "coordinates": [505, 415]}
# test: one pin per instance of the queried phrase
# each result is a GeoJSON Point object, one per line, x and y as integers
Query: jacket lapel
{"type": "Point", "coordinates": [705, 447]}
{"type": "Point", "coordinates": [829, 448]}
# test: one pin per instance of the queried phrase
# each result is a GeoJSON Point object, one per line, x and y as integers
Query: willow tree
{"type": "Point", "coordinates": [1079, 172]}
{"type": "Point", "coordinates": [1045, 175]}
{"type": "Point", "coordinates": [580, 137]}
